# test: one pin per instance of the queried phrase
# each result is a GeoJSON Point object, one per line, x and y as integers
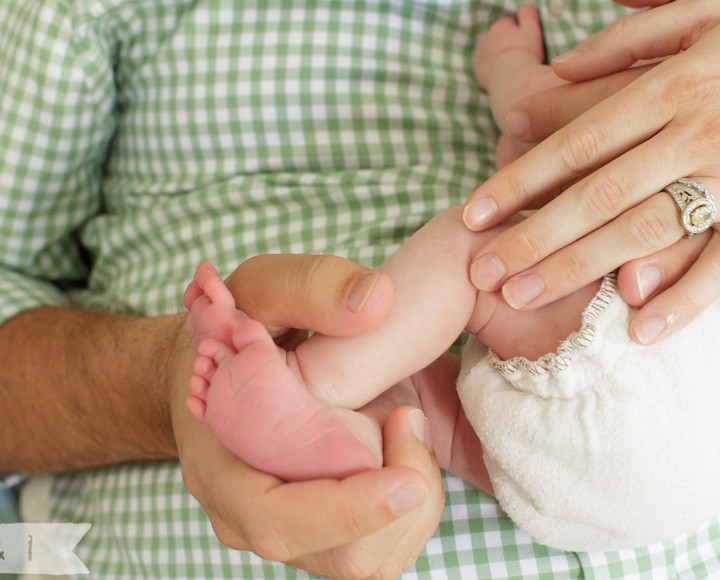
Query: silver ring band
{"type": "Point", "coordinates": [696, 205]}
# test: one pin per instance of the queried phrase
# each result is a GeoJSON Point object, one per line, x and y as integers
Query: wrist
{"type": "Point", "coordinates": [175, 356]}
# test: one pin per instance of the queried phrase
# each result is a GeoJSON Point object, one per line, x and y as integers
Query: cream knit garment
{"type": "Point", "coordinates": [604, 444]}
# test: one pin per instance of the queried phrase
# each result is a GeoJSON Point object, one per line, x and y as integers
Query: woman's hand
{"type": "Point", "coordinates": [372, 524]}
{"type": "Point", "coordinates": [612, 161]}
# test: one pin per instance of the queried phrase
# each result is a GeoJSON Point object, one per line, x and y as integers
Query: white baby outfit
{"type": "Point", "coordinates": [604, 444]}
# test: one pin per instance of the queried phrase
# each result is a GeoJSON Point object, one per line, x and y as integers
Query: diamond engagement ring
{"type": "Point", "coordinates": [696, 205]}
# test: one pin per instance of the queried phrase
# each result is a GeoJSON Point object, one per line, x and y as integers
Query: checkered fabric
{"type": "Point", "coordinates": [147, 135]}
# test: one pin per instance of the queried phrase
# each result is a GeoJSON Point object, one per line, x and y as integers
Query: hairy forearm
{"type": "Point", "coordinates": [82, 389]}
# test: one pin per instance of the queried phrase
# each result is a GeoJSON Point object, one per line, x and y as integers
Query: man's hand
{"type": "Point", "coordinates": [94, 388]}
{"type": "Point", "coordinates": [371, 524]}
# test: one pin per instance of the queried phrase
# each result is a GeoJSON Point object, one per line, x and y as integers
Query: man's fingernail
{"type": "Point", "coordinates": [579, 50]}
{"type": "Point", "coordinates": [487, 271]}
{"type": "Point", "coordinates": [361, 290]}
{"type": "Point", "coordinates": [407, 497]}
{"type": "Point", "coordinates": [420, 426]}
{"type": "Point", "coordinates": [517, 124]}
{"type": "Point", "coordinates": [648, 280]}
{"type": "Point", "coordinates": [650, 329]}
{"type": "Point", "coordinates": [480, 213]}
{"type": "Point", "coordinates": [521, 291]}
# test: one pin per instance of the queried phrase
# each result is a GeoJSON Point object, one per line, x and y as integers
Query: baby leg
{"type": "Point", "coordinates": [509, 66]}
{"type": "Point", "coordinates": [510, 47]}
{"type": "Point", "coordinates": [247, 392]}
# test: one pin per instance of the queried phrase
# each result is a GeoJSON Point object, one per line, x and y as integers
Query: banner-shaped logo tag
{"type": "Point", "coordinates": [41, 548]}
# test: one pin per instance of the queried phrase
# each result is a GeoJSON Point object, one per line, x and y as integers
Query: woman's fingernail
{"type": "Point", "coordinates": [480, 213]}
{"type": "Point", "coordinates": [486, 272]}
{"type": "Point", "coordinates": [420, 426]}
{"type": "Point", "coordinates": [407, 497]}
{"type": "Point", "coordinates": [521, 291]}
{"type": "Point", "coordinates": [517, 124]}
{"type": "Point", "coordinates": [361, 290]}
{"type": "Point", "coordinates": [579, 50]}
{"type": "Point", "coordinates": [648, 280]}
{"type": "Point", "coordinates": [650, 329]}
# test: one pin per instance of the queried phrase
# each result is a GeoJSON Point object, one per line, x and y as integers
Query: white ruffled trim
{"type": "Point", "coordinates": [582, 339]}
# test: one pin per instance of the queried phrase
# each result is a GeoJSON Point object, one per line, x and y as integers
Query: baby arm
{"type": "Point", "coordinates": [434, 301]}
{"type": "Point", "coordinates": [604, 444]}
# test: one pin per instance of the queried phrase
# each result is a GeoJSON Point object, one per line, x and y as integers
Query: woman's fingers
{"type": "Point", "coordinates": [580, 210]}
{"type": "Point", "coordinates": [612, 162]}
{"type": "Point", "coordinates": [652, 225]}
{"type": "Point", "coordinates": [682, 302]}
{"type": "Point", "coordinates": [660, 32]}
{"type": "Point", "coordinates": [644, 278]}
{"type": "Point", "coordinates": [324, 293]}
{"type": "Point", "coordinates": [630, 147]}
{"type": "Point", "coordinates": [609, 60]}
{"type": "Point", "coordinates": [590, 141]}
{"type": "Point", "coordinates": [541, 114]}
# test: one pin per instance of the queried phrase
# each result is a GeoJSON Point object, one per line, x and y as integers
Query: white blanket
{"type": "Point", "coordinates": [604, 444]}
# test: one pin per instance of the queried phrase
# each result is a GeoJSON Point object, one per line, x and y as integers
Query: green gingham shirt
{"type": "Point", "coordinates": [144, 136]}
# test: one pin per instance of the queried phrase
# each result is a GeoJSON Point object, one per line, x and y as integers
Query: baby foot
{"type": "Point", "coordinates": [522, 33]}
{"type": "Point", "coordinates": [250, 395]}
{"type": "Point", "coordinates": [528, 333]}
{"type": "Point", "coordinates": [212, 308]}
{"type": "Point", "coordinates": [508, 65]}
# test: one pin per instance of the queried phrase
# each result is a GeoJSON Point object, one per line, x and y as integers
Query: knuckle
{"type": "Point", "coordinates": [556, 111]}
{"type": "Point", "coordinates": [527, 247]}
{"type": "Point", "coordinates": [714, 276]}
{"type": "Point", "coordinates": [604, 196]}
{"type": "Point", "coordinates": [390, 571]}
{"type": "Point", "coordinates": [396, 569]}
{"type": "Point", "coordinates": [686, 307]}
{"type": "Point", "coordinates": [650, 231]}
{"type": "Point", "coordinates": [706, 138]}
{"type": "Point", "coordinates": [696, 85]}
{"type": "Point", "coordinates": [354, 563]}
{"type": "Point", "coordinates": [268, 544]}
{"type": "Point", "coordinates": [578, 150]}
{"type": "Point", "coordinates": [693, 307]}
{"type": "Point", "coordinates": [227, 538]}
{"type": "Point", "coordinates": [575, 272]}
{"type": "Point", "coordinates": [517, 190]}
{"type": "Point", "coordinates": [316, 268]}
{"type": "Point", "coordinates": [191, 483]}
{"type": "Point", "coordinates": [352, 521]}
{"type": "Point", "coordinates": [312, 273]}
{"type": "Point", "coordinates": [617, 82]}
{"type": "Point", "coordinates": [616, 31]}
